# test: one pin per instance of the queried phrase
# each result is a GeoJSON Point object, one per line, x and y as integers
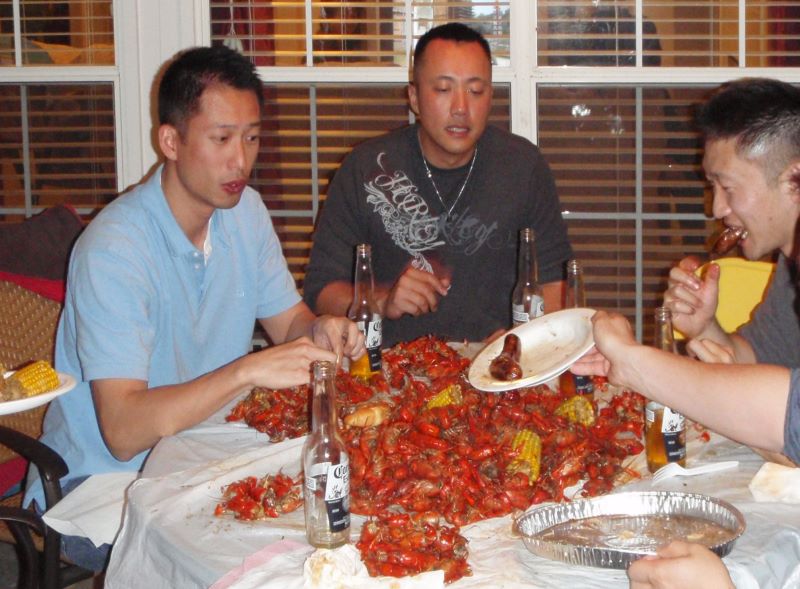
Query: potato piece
{"type": "Point", "coordinates": [367, 415]}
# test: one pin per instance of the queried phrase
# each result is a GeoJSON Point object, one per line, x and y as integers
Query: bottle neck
{"type": "Point", "coordinates": [528, 269]}
{"type": "Point", "coordinates": [323, 407]}
{"type": "Point", "coordinates": [664, 336]}
{"type": "Point", "coordinates": [576, 293]}
{"type": "Point", "coordinates": [362, 289]}
{"type": "Point", "coordinates": [363, 284]}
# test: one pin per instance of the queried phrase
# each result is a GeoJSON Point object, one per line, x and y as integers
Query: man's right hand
{"type": "Point", "coordinates": [693, 300]}
{"type": "Point", "coordinates": [613, 339]}
{"type": "Point", "coordinates": [286, 365]}
{"type": "Point", "coordinates": [680, 565]}
{"type": "Point", "coordinates": [415, 292]}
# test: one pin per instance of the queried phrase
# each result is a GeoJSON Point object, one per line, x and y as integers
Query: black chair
{"type": "Point", "coordinates": [38, 546]}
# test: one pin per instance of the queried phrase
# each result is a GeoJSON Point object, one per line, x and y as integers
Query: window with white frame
{"type": "Point", "coordinates": [605, 88]}
{"type": "Point", "coordinates": [57, 94]}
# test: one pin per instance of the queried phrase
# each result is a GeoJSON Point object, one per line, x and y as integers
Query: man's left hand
{"type": "Point", "coordinates": [339, 335]}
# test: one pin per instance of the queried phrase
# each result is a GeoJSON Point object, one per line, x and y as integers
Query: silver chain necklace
{"type": "Point", "coordinates": [430, 177]}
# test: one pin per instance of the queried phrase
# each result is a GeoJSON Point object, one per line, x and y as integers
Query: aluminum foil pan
{"type": "Point", "coordinates": [617, 529]}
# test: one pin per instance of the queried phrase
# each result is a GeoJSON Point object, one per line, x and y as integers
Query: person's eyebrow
{"type": "Point", "coordinates": [450, 78]}
{"type": "Point", "coordinates": [232, 126]}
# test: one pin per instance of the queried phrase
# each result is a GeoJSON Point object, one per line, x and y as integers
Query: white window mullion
{"type": "Point", "coordinates": [639, 40]}
{"type": "Point", "coordinates": [312, 115]}
{"type": "Point", "coordinates": [309, 33]}
{"type": "Point", "coordinates": [523, 63]}
{"type": "Point", "coordinates": [742, 33]}
{"type": "Point", "coordinates": [202, 19]}
{"type": "Point", "coordinates": [26, 150]}
{"type": "Point", "coordinates": [639, 166]}
{"type": "Point", "coordinates": [17, 23]}
{"type": "Point", "coordinates": [408, 30]}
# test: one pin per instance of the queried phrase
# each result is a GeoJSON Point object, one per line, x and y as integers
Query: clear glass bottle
{"type": "Point", "coordinates": [526, 299]}
{"type": "Point", "coordinates": [665, 429]}
{"type": "Point", "coordinates": [575, 296]}
{"type": "Point", "coordinates": [326, 467]}
{"type": "Point", "coordinates": [364, 313]}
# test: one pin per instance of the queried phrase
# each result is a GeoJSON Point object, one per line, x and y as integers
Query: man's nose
{"type": "Point", "coordinates": [238, 156]}
{"type": "Point", "coordinates": [720, 207]}
{"type": "Point", "coordinates": [459, 104]}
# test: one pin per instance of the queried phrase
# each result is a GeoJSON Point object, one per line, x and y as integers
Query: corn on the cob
{"type": "Point", "coordinates": [577, 409]}
{"type": "Point", "coordinates": [35, 378]}
{"type": "Point", "coordinates": [528, 447]}
{"type": "Point", "coordinates": [447, 396]}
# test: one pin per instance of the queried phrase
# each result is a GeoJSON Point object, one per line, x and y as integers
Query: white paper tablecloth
{"type": "Point", "coordinates": [170, 537]}
{"type": "Point", "coordinates": [94, 509]}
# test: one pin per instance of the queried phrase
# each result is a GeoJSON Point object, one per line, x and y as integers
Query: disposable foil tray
{"type": "Point", "coordinates": [614, 530]}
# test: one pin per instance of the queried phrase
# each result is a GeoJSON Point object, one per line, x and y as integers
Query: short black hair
{"type": "Point", "coordinates": [761, 114]}
{"type": "Point", "coordinates": [192, 71]}
{"type": "Point", "coordinates": [452, 31]}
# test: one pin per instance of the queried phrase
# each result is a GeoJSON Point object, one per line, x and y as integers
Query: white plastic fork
{"type": "Point", "coordinates": [674, 469]}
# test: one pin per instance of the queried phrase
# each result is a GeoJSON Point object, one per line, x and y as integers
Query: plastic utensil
{"type": "Point", "coordinates": [674, 469]}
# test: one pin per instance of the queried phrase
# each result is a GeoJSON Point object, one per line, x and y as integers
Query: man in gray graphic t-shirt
{"type": "Point", "coordinates": [441, 202]}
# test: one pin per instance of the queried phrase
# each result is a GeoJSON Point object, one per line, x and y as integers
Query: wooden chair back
{"type": "Point", "coordinates": [28, 324]}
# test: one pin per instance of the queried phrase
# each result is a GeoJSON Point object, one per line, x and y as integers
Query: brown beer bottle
{"type": "Point", "coordinates": [365, 314]}
{"type": "Point", "coordinates": [574, 297]}
{"type": "Point", "coordinates": [526, 300]}
{"type": "Point", "coordinates": [665, 429]}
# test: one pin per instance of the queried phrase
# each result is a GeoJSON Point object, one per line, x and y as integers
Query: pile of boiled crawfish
{"type": "Point", "coordinates": [252, 498]}
{"type": "Point", "coordinates": [446, 450]}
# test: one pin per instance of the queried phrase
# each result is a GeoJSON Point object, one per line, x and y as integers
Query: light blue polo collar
{"type": "Point", "coordinates": [178, 244]}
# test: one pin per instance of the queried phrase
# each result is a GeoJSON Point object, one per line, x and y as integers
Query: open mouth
{"type": "Point", "coordinates": [234, 187]}
{"type": "Point", "coordinates": [727, 239]}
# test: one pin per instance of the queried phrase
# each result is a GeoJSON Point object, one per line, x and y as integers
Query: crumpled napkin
{"type": "Point", "coordinates": [342, 569]}
{"type": "Point", "coordinates": [93, 509]}
{"type": "Point", "coordinates": [776, 483]}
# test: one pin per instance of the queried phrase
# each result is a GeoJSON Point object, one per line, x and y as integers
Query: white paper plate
{"type": "Point", "coordinates": [65, 383]}
{"type": "Point", "coordinates": [550, 345]}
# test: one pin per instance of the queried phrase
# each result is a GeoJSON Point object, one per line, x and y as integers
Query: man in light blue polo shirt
{"type": "Point", "coordinates": [165, 285]}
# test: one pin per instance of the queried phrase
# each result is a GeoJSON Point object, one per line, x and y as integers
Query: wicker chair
{"type": "Point", "coordinates": [27, 332]}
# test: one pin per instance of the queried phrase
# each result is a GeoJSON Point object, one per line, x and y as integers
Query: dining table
{"type": "Point", "coordinates": [171, 537]}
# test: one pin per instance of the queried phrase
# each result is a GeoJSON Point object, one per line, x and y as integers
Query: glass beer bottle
{"type": "Point", "coordinates": [665, 429]}
{"type": "Point", "coordinates": [526, 299]}
{"type": "Point", "coordinates": [326, 467]}
{"type": "Point", "coordinates": [365, 314]}
{"type": "Point", "coordinates": [575, 296]}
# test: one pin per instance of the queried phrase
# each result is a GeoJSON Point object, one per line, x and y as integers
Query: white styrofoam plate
{"type": "Point", "coordinates": [65, 384]}
{"type": "Point", "coordinates": [550, 345]}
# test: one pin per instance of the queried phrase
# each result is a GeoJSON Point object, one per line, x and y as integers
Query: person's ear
{"type": "Point", "coordinates": [168, 140]}
{"type": "Point", "coordinates": [791, 177]}
{"type": "Point", "coordinates": [413, 99]}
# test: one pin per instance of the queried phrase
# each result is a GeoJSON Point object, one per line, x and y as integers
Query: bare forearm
{"type": "Point", "coordinates": [744, 402]}
{"type": "Point", "coordinates": [742, 350]}
{"type": "Point", "coordinates": [334, 299]}
{"type": "Point", "coordinates": [300, 325]}
{"type": "Point", "coordinates": [133, 418]}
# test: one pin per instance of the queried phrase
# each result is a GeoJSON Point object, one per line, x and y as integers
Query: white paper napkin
{"type": "Point", "coordinates": [323, 569]}
{"type": "Point", "coordinates": [776, 483]}
{"type": "Point", "coordinates": [93, 509]}
{"type": "Point", "coordinates": [342, 569]}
